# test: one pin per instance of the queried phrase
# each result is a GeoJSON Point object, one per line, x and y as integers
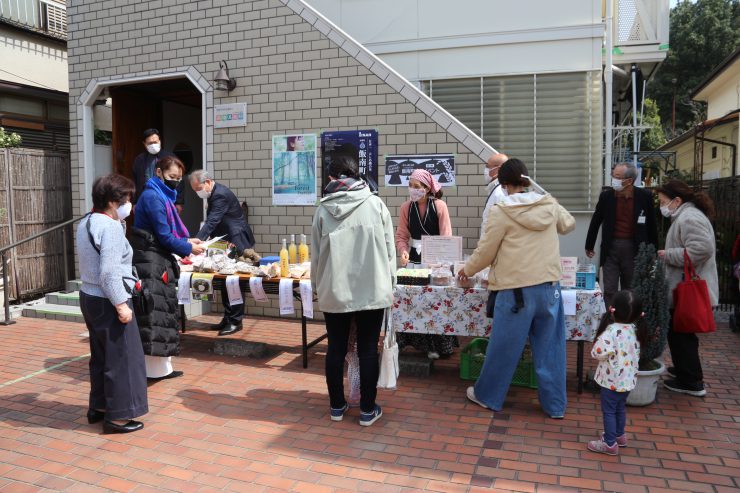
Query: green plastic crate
{"type": "Point", "coordinates": [524, 375]}
{"type": "Point", "coordinates": [472, 357]}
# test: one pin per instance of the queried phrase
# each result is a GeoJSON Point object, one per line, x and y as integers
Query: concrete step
{"type": "Point", "coordinates": [66, 313]}
{"type": "Point", "coordinates": [74, 285]}
{"type": "Point", "coordinates": [61, 298]}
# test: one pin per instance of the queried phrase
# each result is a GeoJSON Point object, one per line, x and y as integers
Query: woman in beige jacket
{"type": "Point", "coordinates": [521, 245]}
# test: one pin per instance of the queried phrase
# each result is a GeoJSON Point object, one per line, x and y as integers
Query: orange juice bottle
{"type": "Point", "coordinates": [292, 250]}
{"type": "Point", "coordinates": [303, 250]}
{"type": "Point", "coordinates": [284, 261]}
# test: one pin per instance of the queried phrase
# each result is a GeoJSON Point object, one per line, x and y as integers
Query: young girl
{"type": "Point", "coordinates": [424, 214]}
{"type": "Point", "coordinates": [617, 348]}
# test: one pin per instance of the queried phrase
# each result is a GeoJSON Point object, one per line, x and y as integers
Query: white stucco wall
{"type": "Point", "coordinates": [33, 60]}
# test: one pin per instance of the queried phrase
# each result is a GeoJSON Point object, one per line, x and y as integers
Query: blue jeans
{"type": "Point", "coordinates": [612, 407]}
{"type": "Point", "coordinates": [542, 320]}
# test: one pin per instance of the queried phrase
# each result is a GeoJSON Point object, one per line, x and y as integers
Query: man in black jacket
{"type": "Point", "coordinates": [628, 218]}
{"type": "Point", "coordinates": [224, 217]}
{"type": "Point", "coordinates": [146, 161]}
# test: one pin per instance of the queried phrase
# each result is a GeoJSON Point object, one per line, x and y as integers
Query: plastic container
{"type": "Point", "coordinates": [472, 357]}
{"type": "Point", "coordinates": [269, 260]}
{"type": "Point", "coordinates": [524, 375]}
{"type": "Point", "coordinates": [586, 277]}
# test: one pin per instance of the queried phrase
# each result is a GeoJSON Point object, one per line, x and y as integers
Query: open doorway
{"type": "Point", "coordinates": [174, 107]}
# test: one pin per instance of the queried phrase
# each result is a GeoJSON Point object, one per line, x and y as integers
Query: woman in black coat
{"type": "Point", "coordinates": [158, 232]}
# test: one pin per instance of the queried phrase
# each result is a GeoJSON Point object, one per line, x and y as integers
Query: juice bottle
{"type": "Point", "coordinates": [292, 250]}
{"type": "Point", "coordinates": [284, 261]}
{"type": "Point", "coordinates": [303, 250]}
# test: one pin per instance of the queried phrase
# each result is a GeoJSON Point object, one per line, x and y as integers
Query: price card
{"type": "Point", "coordinates": [436, 249]}
{"type": "Point", "coordinates": [285, 293]}
{"type": "Point", "coordinates": [306, 297]}
{"type": "Point", "coordinates": [234, 291]}
{"type": "Point", "coordinates": [257, 290]}
{"type": "Point", "coordinates": [183, 288]}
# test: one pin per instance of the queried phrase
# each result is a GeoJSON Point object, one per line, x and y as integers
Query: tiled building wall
{"type": "Point", "coordinates": [294, 78]}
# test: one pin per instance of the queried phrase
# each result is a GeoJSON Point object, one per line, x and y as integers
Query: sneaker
{"type": "Point", "coordinates": [338, 414]}
{"type": "Point", "coordinates": [682, 388]}
{"type": "Point", "coordinates": [366, 419]}
{"type": "Point", "coordinates": [600, 446]}
{"type": "Point", "coordinates": [672, 371]}
{"type": "Point", "coordinates": [433, 355]}
{"type": "Point", "coordinates": [470, 393]}
{"type": "Point", "coordinates": [557, 416]}
{"type": "Point", "coordinates": [621, 440]}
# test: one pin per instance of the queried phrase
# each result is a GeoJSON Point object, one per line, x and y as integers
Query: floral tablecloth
{"type": "Point", "coordinates": [459, 311]}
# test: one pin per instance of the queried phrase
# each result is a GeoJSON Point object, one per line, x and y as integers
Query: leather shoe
{"type": "Point", "coordinates": [220, 326]}
{"type": "Point", "coordinates": [95, 416]}
{"type": "Point", "coordinates": [111, 427]}
{"type": "Point", "coordinates": [230, 329]}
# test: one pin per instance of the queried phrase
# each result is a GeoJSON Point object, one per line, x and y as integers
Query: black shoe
{"type": "Point", "coordinates": [230, 329]}
{"type": "Point", "coordinates": [173, 374]}
{"type": "Point", "coordinates": [220, 326]}
{"type": "Point", "coordinates": [111, 427]}
{"type": "Point", "coordinates": [672, 371]}
{"type": "Point", "coordinates": [696, 390]}
{"type": "Point", "coordinates": [95, 416]}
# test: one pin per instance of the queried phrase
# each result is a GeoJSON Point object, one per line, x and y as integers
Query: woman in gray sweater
{"type": "Point", "coordinates": [118, 389]}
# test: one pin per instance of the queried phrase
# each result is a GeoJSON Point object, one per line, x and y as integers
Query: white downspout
{"type": "Point", "coordinates": [608, 82]}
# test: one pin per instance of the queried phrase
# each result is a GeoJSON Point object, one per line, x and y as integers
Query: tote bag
{"type": "Point", "coordinates": [389, 359]}
{"type": "Point", "coordinates": [693, 310]}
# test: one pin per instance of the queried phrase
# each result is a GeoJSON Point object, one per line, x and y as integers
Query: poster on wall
{"type": "Point", "coordinates": [362, 145]}
{"type": "Point", "coordinates": [398, 168]}
{"type": "Point", "coordinates": [230, 115]}
{"type": "Point", "coordinates": [294, 169]}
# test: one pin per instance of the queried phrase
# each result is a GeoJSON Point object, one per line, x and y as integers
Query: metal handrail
{"type": "Point", "coordinates": [5, 249]}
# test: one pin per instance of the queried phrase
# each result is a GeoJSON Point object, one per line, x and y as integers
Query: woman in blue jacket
{"type": "Point", "coordinates": [158, 233]}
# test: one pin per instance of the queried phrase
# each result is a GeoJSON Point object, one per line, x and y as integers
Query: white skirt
{"type": "Point", "coordinates": [158, 366]}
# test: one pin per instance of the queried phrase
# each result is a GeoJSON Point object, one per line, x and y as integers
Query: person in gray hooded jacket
{"type": "Point", "coordinates": [353, 271]}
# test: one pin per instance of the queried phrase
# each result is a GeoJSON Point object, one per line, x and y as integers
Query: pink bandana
{"type": "Point", "coordinates": [426, 178]}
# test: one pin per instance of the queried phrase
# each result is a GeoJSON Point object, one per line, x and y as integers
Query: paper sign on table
{"type": "Point", "coordinates": [234, 291]}
{"type": "Point", "coordinates": [306, 297]}
{"type": "Point", "coordinates": [183, 288]}
{"type": "Point", "coordinates": [568, 280]}
{"type": "Point", "coordinates": [285, 293]}
{"type": "Point", "coordinates": [257, 290]}
{"type": "Point", "coordinates": [435, 249]}
{"type": "Point", "coordinates": [569, 264]}
{"type": "Point", "coordinates": [202, 286]}
{"type": "Point", "coordinates": [569, 302]}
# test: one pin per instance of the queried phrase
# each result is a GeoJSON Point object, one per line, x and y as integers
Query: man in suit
{"type": "Point", "coordinates": [626, 216]}
{"type": "Point", "coordinates": [224, 217]}
{"type": "Point", "coordinates": [146, 161]}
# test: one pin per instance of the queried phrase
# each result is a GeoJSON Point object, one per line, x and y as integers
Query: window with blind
{"type": "Point", "coordinates": [552, 122]}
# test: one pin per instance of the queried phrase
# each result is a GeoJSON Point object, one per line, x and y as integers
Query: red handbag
{"type": "Point", "coordinates": [692, 308]}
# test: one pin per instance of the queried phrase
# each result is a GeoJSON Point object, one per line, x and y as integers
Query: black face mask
{"type": "Point", "coordinates": [172, 183]}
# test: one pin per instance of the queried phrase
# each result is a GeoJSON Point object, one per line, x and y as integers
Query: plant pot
{"type": "Point", "coordinates": [647, 385]}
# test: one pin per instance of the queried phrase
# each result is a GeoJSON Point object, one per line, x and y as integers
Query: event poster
{"type": "Point", "coordinates": [294, 169]}
{"type": "Point", "coordinates": [359, 144]}
{"type": "Point", "coordinates": [398, 168]}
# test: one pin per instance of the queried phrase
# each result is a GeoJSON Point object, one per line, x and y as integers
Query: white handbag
{"type": "Point", "coordinates": [389, 360]}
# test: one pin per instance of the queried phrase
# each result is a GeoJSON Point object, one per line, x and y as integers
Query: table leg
{"type": "Point", "coordinates": [579, 367]}
{"type": "Point", "coordinates": [304, 334]}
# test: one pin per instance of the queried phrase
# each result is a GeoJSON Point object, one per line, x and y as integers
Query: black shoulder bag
{"type": "Point", "coordinates": [141, 298]}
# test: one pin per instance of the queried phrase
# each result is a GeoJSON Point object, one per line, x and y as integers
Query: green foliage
{"type": "Point", "coordinates": [654, 137]}
{"type": "Point", "coordinates": [703, 33]}
{"type": "Point", "coordinates": [101, 137]}
{"type": "Point", "coordinates": [9, 139]}
{"type": "Point", "coordinates": [649, 284]}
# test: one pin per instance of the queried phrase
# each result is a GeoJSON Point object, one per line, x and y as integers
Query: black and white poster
{"type": "Point", "coordinates": [398, 168]}
{"type": "Point", "coordinates": [362, 145]}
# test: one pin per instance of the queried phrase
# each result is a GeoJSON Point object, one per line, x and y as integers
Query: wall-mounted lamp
{"type": "Point", "coordinates": [221, 80]}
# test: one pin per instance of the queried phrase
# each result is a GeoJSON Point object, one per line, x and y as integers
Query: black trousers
{"type": "Point", "coordinates": [618, 267]}
{"type": "Point", "coordinates": [233, 314]}
{"type": "Point", "coordinates": [117, 370]}
{"type": "Point", "coordinates": [685, 355]}
{"type": "Point", "coordinates": [368, 324]}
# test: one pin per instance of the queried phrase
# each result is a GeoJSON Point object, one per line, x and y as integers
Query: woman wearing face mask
{"type": "Point", "coordinates": [117, 373]}
{"type": "Point", "coordinates": [522, 247]}
{"type": "Point", "coordinates": [424, 214]}
{"type": "Point", "coordinates": [691, 230]}
{"type": "Point", "coordinates": [159, 232]}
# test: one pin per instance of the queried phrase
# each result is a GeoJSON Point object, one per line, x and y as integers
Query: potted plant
{"type": "Point", "coordinates": [648, 283]}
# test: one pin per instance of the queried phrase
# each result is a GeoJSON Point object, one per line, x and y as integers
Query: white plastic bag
{"type": "Point", "coordinates": [389, 360]}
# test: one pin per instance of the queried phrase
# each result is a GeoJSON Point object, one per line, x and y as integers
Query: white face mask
{"type": "Point", "coordinates": [487, 174]}
{"type": "Point", "coordinates": [123, 211]}
{"type": "Point", "coordinates": [666, 211]}
{"type": "Point", "coordinates": [617, 184]}
{"type": "Point", "coordinates": [203, 193]}
{"type": "Point", "coordinates": [154, 148]}
{"type": "Point", "coordinates": [417, 194]}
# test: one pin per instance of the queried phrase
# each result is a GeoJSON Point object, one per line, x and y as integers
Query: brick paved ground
{"type": "Point", "coordinates": [262, 425]}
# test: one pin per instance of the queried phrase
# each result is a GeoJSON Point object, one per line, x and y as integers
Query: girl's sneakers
{"type": "Point", "coordinates": [600, 446]}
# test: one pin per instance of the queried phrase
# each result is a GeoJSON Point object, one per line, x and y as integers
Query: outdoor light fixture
{"type": "Point", "coordinates": [222, 80]}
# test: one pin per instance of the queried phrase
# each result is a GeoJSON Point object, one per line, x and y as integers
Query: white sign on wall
{"type": "Point", "coordinates": [230, 115]}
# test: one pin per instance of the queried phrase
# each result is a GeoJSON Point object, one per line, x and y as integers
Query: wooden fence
{"type": "Point", "coordinates": [35, 194]}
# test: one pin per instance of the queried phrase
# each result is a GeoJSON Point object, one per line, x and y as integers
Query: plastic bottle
{"type": "Point", "coordinates": [292, 250]}
{"type": "Point", "coordinates": [303, 250]}
{"type": "Point", "coordinates": [284, 261]}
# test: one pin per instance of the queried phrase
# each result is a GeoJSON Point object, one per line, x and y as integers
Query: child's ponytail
{"type": "Point", "coordinates": [606, 321]}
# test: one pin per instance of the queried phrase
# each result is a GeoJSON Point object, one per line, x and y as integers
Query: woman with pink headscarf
{"type": "Point", "coordinates": [424, 214]}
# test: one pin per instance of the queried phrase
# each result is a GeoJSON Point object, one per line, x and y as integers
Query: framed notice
{"type": "Point", "coordinates": [230, 115]}
{"type": "Point", "coordinates": [362, 145]}
{"type": "Point", "coordinates": [398, 168]}
{"type": "Point", "coordinates": [436, 249]}
{"type": "Point", "coordinates": [294, 169]}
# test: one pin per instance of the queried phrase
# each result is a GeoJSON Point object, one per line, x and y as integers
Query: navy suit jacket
{"type": "Point", "coordinates": [225, 217]}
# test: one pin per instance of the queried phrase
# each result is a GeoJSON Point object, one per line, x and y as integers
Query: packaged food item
{"type": "Point", "coordinates": [441, 275]}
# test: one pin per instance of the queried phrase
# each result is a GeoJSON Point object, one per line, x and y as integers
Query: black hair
{"type": "Point", "coordinates": [343, 164]}
{"type": "Point", "coordinates": [511, 173]}
{"type": "Point", "coordinates": [111, 188]}
{"type": "Point", "coordinates": [149, 132]}
{"type": "Point", "coordinates": [627, 309]}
